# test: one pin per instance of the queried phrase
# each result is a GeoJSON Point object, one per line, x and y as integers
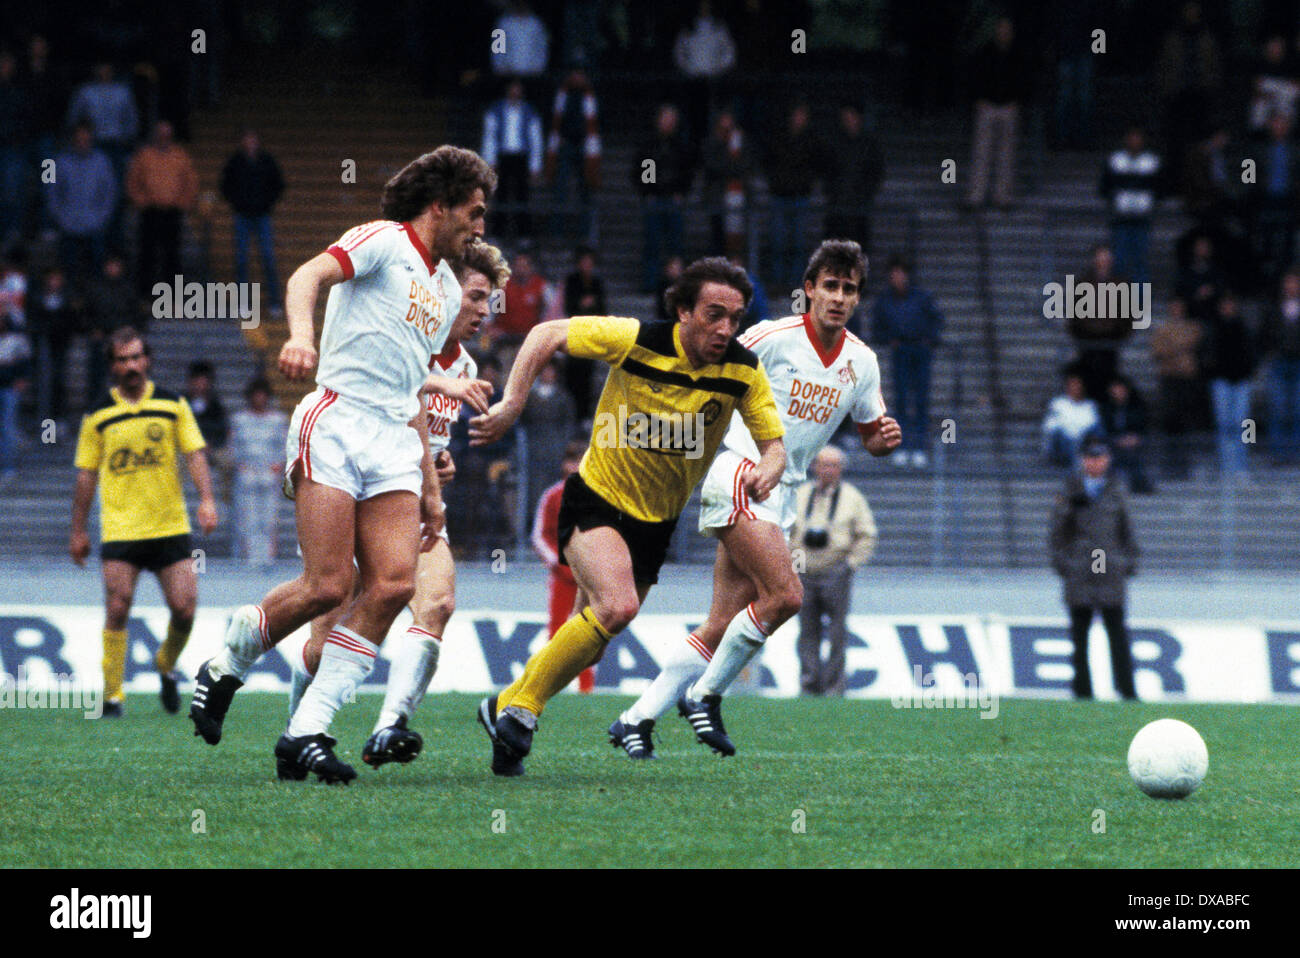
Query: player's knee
{"type": "Point", "coordinates": [790, 599]}
{"type": "Point", "coordinates": [393, 593]}
{"type": "Point", "coordinates": [617, 612]}
{"type": "Point", "coordinates": [117, 606]}
{"type": "Point", "coordinates": [329, 592]}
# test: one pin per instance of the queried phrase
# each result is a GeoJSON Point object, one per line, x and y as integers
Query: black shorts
{"type": "Point", "coordinates": [647, 542]}
{"type": "Point", "coordinates": [150, 554]}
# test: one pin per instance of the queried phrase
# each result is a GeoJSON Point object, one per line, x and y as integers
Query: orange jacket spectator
{"type": "Point", "coordinates": [162, 175]}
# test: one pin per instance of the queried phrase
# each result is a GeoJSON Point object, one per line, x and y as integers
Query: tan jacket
{"type": "Point", "coordinates": [852, 529]}
{"type": "Point", "coordinates": [164, 178]}
{"type": "Point", "coordinates": [1174, 345]}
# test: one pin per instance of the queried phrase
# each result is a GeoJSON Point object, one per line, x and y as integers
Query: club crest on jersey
{"type": "Point", "coordinates": [847, 375]}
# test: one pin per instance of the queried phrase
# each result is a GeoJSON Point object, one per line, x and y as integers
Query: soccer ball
{"type": "Point", "coordinates": [1168, 759]}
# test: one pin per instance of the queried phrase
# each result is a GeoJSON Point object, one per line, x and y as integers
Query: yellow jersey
{"type": "Point", "coordinates": [660, 420]}
{"type": "Point", "coordinates": [132, 446]}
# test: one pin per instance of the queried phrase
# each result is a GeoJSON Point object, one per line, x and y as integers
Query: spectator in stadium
{"type": "Point", "coordinates": [835, 534]}
{"type": "Point", "coordinates": [1210, 178]}
{"type": "Point", "coordinates": [1072, 418]}
{"type": "Point", "coordinates": [527, 298]}
{"type": "Point", "coordinates": [573, 152]}
{"type": "Point", "coordinates": [1275, 85]}
{"type": "Point", "coordinates": [661, 174]}
{"type": "Point", "coordinates": [1233, 352]}
{"type": "Point", "coordinates": [525, 43]}
{"type": "Point", "coordinates": [548, 421]}
{"type": "Point", "coordinates": [561, 589]}
{"type": "Point", "coordinates": [512, 145]}
{"type": "Point", "coordinates": [17, 131]}
{"type": "Point", "coordinates": [704, 52]}
{"type": "Point", "coordinates": [53, 319]}
{"type": "Point", "coordinates": [13, 286]}
{"type": "Point", "coordinates": [1281, 343]}
{"type": "Point", "coordinates": [110, 304]}
{"type": "Point", "coordinates": [1000, 83]}
{"type": "Point", "coordinates": [672, 270]}
{"type": "Point", "coordinates": [1124, 421]}
{"type": "Point", "coordinates": [795, 160]}
{"type": "Point", "coordinates": [1098, 336]}
{"type": "Point", "coordinates": [906, 319]}
{"type": "Point", "coordinates": [252, 184]}
{"type": "Point", "coordinates": [1132, 183]}
{"type": "Point", "coordinates": [162, 184]}
{"type": "Point", "coordinates": [257, 445]}
{"type": "Point", "coordinates": [107, 105]}
{"type": "Point", "coordinates": [45, 87]}
{"type": "Point", "coordinates": [858, 169]}
{"type": "Point", "coordinates": [1189, 78]}
{"type": "Point", "coordinates": [584, 295]}
{"type": "Point", "coordinates": [728, 165]}
{"type": "Point", "coordinates": [759, 309]}
{"type": "Point", "coordinates": [81, 202]}
{"type": "Point", "coordinates": [214, 423]}
{"type": "Point", "coordinates": [1176, 350]}
{"type": "Point", "coordinates": [15, 372]}
{"type": "Point", "coordinates": [1072, 24]}
{"type": "Point", "coordinates": [1094, 552]}
{"type": "Point", "coordinates": [1200, 281]}
{"type": "Point", "coordinates": [1273, 199]}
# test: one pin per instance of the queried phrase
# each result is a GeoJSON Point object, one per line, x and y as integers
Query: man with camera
{"type": "Point", "coordinates": [836, 533]}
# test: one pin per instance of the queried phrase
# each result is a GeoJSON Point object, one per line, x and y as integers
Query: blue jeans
{"type": "Point", "coordinates": [1130, 242]}
{"type": "Point", "coordinates": [8, 427]}
{"type": "Point", "coordinates": [1231, 407]}
{"type": "Point", "coordinates": [1284, 409]}
{"type": "Point", "coordinates": [787, 224]}
{"type": "Point", "coordinates": [912, 394]}
{"type": "Point", "coordinates": [259, 227]}
{"type": "Point", "coordinates": [661, 218]}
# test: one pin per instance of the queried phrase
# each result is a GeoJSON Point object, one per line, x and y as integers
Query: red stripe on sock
{"type": "Point", "coordinates": [416, 628]}
{"type": "Point", "coordinates": [343, 641]}
{"type": "Point", "coordinates": [694, 642]}
{"type": "Point", "coordinates": [753, 618]}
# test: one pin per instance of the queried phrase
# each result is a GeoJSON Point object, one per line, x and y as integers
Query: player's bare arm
{"type": "Point", "coordinates": [884, 438]}
{"type": "Point", "coordinates": [432, 512]}
{"type": "Point", "coordinates": [542, 342]}
{"type": "Point", "coordinates": [197, 463]}
{"type": "Point", "coordinates": [476, 392]}
{"type": "Point", "coordinates": [762, 479]}
{"type": "Point", "coordinates": [82, 496]}
{"type": "Point", "coordinates": [298, 355]}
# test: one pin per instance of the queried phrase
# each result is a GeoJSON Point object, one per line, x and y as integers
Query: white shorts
{"type": "Point", "coordinates": [346, 446]}
{"type": "Point", "coordinates": [723, 499]}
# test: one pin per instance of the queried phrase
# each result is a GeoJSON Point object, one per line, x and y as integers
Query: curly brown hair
{"type": "Point", "coordinates": [483, 258]}
{"type": "Point", "coordinates": [449, 175]}
{"type": "Point", "coordinates": [713, 269]}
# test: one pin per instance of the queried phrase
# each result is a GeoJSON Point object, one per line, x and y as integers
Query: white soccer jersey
{"type": "Point", "coordinates": [454, 362]}
{"type": "Point", "coordinates": [382, 324]}
{"type": "Point", "coordinates": [814, 389]}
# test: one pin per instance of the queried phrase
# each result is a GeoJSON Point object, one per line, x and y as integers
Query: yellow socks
{"type": "Point", "coordinates": [577, 644]}
{"type": "Point", "coordinates": [171, 648]}
{"type": "Point", "coordinates": [114, 663]}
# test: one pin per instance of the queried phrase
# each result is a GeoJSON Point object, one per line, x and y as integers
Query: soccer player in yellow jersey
{"type": "Point", "coordinates": [666, 405]}
{"type": "Point", "coordinates": [128, 447]}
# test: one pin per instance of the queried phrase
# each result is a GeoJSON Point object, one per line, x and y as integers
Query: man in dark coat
{"type": "Point", "coordinates": [1094, 553]}
{"type": "Point", "coordinates": [252, 183]}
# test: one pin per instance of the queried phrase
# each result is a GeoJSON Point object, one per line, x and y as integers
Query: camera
{"type": "Point", "coordinates": [816, 538]}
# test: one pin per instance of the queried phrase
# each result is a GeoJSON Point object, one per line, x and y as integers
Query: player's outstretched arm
{"type": "Point", "coordinates": [79, 540]}
{"type": "Point", "coordinates": [197, 463]}
{"type": "Point", "coordinates": [542, 342]}
{"type": "Point", "coordinates": [298, 356]}
{"type": "Point", "coordinates": [884, 438]}
{"type": "Point", "coordinates": [477, 393]}
{"type": "Point", "coordinates": [433, 514]}
{"type": "Point", "coordinates": [762, 479]}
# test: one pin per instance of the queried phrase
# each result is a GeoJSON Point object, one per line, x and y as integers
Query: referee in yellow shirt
{"type": "Point", "coordinates": [667, 403]}
{"type": "Point", "coordinates": [128, 446]}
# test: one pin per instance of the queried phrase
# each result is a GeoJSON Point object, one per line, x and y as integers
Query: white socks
{"type": "Point", "coordinates": [345, 661]}
{"type": "Point", "coordinates": [299, 681]}
{"type": "Point", "coordinates": [745, 635]}
{"type": "Point", "coordinates": [246, 639]}
{"type": "Point", "coordinates": [413, 666]}
{"type": "Point", "coordinates": [685, 663]}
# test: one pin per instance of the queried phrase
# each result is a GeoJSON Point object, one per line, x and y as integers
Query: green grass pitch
{"type": "Point", "coordinates": [870, 785]}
